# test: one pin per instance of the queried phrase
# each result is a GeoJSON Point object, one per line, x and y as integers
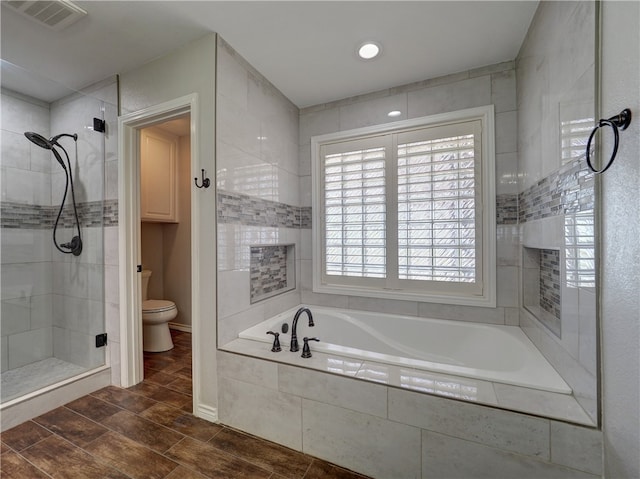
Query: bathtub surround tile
{"type": "Point", "coordinates": [445, 456]}
{"type": "Point", "coordinates": [391, 306]}
{"type": "Point", "coordinates": [543, 403]}
{"type": "Point", "coordinates": [457, 387]}
{"type": "Point", "coordinates": [266, 412]}
{"type": "Point", "coordinates": [238, 208]}
{"type": "Point", "coordinates": [363, 442]}
{"type": "Point", "coordinates": [344, 392]}
{"type": "Point", "coordinates": [246, 369]}
{"type": "Point", "coordinates": [461, 313]}
{"type": "Point", "coordinates": [485, 425]}
{"type": "Point", "coordinates": [577, 447]}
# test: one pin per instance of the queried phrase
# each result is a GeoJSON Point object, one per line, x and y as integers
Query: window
{"type": "Point", "coordinates": [407, 210]}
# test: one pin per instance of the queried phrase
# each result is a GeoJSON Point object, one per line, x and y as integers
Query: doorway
{"type": "Point", "coordinates": [178, 117]}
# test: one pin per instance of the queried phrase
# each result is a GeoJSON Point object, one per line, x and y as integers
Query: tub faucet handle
{"type": "Point", "coordinates": [306, 351]}
{"type": "Point", "coordinates": [276, 342]}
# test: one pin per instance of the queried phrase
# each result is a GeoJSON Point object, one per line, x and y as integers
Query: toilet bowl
{"type": "Point", "coordinates": [156, 314]}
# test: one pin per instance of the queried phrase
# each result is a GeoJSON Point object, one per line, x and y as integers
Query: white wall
{"type": "Point", "coordinates": [620, 286]}
{"type": "Point", "coordinates": [190, 69]}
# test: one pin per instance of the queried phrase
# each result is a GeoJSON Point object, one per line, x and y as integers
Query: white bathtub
{"type": "Point", "coordinates": [501, 354]}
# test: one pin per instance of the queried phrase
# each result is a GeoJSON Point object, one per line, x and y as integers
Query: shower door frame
{"type": "Point", "coordinates": [129, 126]}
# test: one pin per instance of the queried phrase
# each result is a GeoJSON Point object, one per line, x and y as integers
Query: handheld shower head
{"type": "Point", "coordinates": [42, 142]}
{"type": "Point", "coordinates": [39, 140]}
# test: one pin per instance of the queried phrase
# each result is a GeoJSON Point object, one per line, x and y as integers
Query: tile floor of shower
{"type": "Point", "coordinates": [148, 431]}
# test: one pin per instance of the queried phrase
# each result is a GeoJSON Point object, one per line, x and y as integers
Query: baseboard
{"type": "Point", "coordinates": [180, 327]}
{"type": "Point", "coordinates": [207, 412]}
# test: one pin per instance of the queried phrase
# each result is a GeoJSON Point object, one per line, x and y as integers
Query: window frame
{"type": "Point", "coordinates": [487, 298]}
{"type": "Point", "coordinates": [487, 212]}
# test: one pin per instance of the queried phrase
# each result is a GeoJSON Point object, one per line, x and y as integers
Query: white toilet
{"type": "Point", "coordinates": [156, 314]}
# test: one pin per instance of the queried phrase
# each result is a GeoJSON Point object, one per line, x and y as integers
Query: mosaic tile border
{"type": "Point", "coordinates": [507, 209]}
{"type": "Point", "coordinates": [91, 214]}
{"type": "Point", "coordinates": [252, 211]}
{"type": "Point", "coordinates": [569, 190]}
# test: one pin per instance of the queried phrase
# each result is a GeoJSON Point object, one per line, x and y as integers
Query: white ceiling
{"type": "Point", "coordinates": [305, 48]}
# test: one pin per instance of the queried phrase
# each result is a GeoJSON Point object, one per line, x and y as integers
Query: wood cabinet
{"type": "Point", "coordinates": [159, 176]}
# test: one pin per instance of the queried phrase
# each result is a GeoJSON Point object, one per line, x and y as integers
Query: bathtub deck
{"type": "Point", "coordinates": [515, 398]}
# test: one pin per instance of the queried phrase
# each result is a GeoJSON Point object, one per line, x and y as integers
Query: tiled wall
{"type": "Point", "coordinates": [27, 289]}
{"type": "Point", "coordinates": [495, 84]}
{"type": "Point", "coordinates": [258, 192]}
{"type": "Point", "coordinates": [388, 432]}
{"type": "Point", "coordinates": [58, 299]}
{"type": "Point", "coordinates": [555, 73]}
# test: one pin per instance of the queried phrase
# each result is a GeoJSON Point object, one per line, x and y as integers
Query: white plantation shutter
{"type": "Point", "coordinates": [354, 202]}
{"type": "Point", "coordinates": [439, 191]}
{"type": "Point", "coordinates": [401, 213]}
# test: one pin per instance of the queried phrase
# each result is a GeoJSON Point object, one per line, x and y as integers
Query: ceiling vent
{"type": "Point", "coordinates": [56, 14]}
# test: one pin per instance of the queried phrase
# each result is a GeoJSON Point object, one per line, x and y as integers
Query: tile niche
{"type": "Point", "coordinates": [272, 270]}
{"type": "Point", "coordinates": [541, 286]}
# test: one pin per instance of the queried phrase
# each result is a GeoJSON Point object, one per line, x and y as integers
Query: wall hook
{"type": "Point", "coordinates": [621, 122]}
{"type": "Point", "coordinates": [206, 182]}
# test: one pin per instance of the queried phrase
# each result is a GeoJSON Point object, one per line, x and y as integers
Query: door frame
{"type": "Point", "coordinates": [129, 126]}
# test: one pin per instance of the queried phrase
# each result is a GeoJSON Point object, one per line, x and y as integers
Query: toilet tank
{"type": "Point", "coordinates": [146, 274]}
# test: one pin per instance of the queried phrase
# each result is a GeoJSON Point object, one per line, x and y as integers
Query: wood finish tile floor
{"type": "Point", "coordinates": [148, 432]}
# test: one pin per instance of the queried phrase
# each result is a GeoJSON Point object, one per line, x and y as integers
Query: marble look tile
{"type": "Point", "coordinates": [544, 403]}
{"type": "Point", "coordinates": [130, 457]}
{"type": "Point", "coordinates": [461, 313]}
{"type": "Point", "coordinates": [390, 306]}
{"type": "Point", "coordinates": [457, 387]}
{"type": "Point", "coordinates": [249, 370]}
{"type": "Point", "coordinates": [267, 455]}
{"type": "Point", "coordinates": [373, 112]}
{"type": "Point", "coordinates": [497, 428]}
{"type": "Point", "coordinates": [450, 97]}
{"type": "Point", "coordinates": [318, 123]}
{"type": "Point", "coordinates": [445, 456]}
{"type": "Point", "coordinates": [503, 90]}
{"type": "Point", "coordinates": [359, 441]}
{"type": "Point", "coordinates": [577, 447]}
{"type": "Point", "coordinates": [60, 458]}
{"type": "Point", "coordinates": [339, 391]}
{"type": "Point", "coordinates": [506, 132]}
{"type": "Point", "coordinates": [319, 361]}
{"type": "Point", "coordinates": [210, 461]}
{"type": "Point", "coordinates": [260, 411]}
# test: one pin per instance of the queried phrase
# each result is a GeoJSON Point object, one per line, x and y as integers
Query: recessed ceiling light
{"type": "Point", "coordinates": [394, 113]}
{"type": "Point", "coordinates": [369, 50]}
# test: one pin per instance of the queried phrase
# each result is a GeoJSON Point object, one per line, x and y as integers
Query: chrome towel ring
{"type": "Point", "coordinates": [621, 122]}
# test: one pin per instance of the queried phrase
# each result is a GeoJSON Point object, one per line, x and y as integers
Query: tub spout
{"type": "Point", "coordinates": [294, 326]}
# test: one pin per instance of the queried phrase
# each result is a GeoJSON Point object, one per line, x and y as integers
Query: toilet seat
{"type": "Point", "coordinates": [157, 305]}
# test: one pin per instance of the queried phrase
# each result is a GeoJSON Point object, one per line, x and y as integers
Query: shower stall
{"type": "Point", "coordinates": [53, 214]}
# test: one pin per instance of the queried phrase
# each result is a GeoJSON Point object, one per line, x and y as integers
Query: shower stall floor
{"type": "Point", "coordinates": [31, 377]}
